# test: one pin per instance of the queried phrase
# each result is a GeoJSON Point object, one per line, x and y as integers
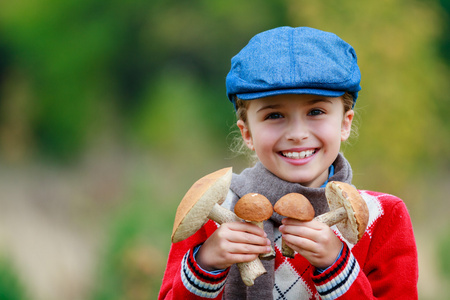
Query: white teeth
{"type": "Point", "coordinates": [298, 155]}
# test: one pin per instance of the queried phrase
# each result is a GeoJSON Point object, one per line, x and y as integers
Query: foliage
{"type": "Point", "coordinates": [11, 287]}
{"type": "Point", "coordinates": [443, 259]}
{"type": "Point", "coordinates": [83, 56]}
{"type": "Point", "coordinates": [444, 250]}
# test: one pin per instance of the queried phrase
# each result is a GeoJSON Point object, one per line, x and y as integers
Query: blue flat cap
{"type": "Point", "coordinates": [288, 60]}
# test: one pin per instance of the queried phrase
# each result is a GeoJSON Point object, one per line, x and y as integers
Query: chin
{"type": "Point", "coordinates": [295, 179]}
{"type": "Point", "coordinates": [304, 179]}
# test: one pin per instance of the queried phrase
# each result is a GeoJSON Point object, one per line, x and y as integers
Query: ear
{"type": "Point", "coordinates": [246, 134]}
{"type": "Point", "coordinates": [346, 127]}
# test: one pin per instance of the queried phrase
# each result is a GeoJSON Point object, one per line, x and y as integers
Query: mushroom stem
{"type": "Point", "coordinates": [333, 217]}
{"type": "Point", "coordinates": [271, 254]}
{"type": "Point", "coordinates": [249, 270]}
{"type": "Point", "coordinates": [222, 215]}
{"type": "Point", "coordinates": [286, 250]}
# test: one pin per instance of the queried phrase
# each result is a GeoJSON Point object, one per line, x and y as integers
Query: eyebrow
{"type": "Point", "coordinates": [270, 106]}
{"type": "Point", "coordinates": [314, 101]}
{"type": "Point", "coordinates": [309, 102]}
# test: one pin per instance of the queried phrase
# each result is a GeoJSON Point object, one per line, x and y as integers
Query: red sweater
{"type": "Point", "coordinates": [382, 265]}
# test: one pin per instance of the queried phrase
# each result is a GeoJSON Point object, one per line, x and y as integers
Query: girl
{"type": "Point", "coordinates": [294, 90]}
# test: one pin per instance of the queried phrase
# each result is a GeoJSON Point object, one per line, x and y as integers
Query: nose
{"type": "Point", "coordinates": [297, 130]}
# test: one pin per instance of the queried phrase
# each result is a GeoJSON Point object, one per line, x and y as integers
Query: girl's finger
{"type": "Point", "coordinates": [300, 231]}
{"type": "Point", "coordinates": [244, 233]}
{"type": "Point", "coordinates": [314, 230]}
{"type": "Point", "coordinates": [236, 248]}
{"type": "Point", "coordinates": [247, 227]}
{"type": "Point", "coordinates": [299, 243]}
{"type": "Point", "coordinates": [314, 224]}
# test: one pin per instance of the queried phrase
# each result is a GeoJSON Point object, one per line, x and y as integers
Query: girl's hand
{"type": "Point", "coordinates": [314, 240]}
{"type": "Point", "coordinates": [232, 243]}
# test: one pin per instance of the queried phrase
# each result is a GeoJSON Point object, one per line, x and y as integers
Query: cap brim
{"type": "Point", "coordinates": [262, 94]}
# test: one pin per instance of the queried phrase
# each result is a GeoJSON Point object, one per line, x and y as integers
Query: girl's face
{"type": "Point", "coordinates": [297, 137]}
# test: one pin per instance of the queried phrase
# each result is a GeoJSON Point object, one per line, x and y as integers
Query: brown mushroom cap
{"type": "Point", "coordinates": [295, 206]}
{"type": "Point", "coordinates": [253, 207]}
{"type": "Point", "coordinates": [340, 194]}
{"type": "Point", "coordinates": [193, 210]}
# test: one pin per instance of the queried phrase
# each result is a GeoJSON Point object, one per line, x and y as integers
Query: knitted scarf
{"type": "Point", "coordinates": [259, 180]}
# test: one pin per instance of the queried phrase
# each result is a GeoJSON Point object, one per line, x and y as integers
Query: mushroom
{"type": "Point", "coordinates": [294, 206]}
{"type": "Point", "coordinates": [202, 202]}
{"type": "Point", "coordinates": [348, 210]}
{"type": "Point", "coordinates": [255, 208]}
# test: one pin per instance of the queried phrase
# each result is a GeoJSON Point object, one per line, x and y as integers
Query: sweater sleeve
{"type": "Point", "coordinates": [337, 279]}
{"type": "Point", "coordinates": [390, 270]}
{"type": "Point", "coordinates": [183, 278]}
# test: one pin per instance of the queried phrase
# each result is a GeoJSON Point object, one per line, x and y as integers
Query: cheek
{"type": "Point", "coordinates": [264, 139]}
{"type": "Point", "coordinates": [330, 134]}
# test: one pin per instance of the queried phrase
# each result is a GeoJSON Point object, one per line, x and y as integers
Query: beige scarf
{"type": "Point", "coordinates": [259, 180]}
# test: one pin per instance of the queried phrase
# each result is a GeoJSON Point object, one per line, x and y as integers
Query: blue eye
{"type": "Point", "coordinates": [273, 116]}
{"type": "Point", "coordinates": [315, 112]}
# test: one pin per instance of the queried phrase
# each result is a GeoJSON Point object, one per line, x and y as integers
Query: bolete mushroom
{"type": "Point", "coordinates": [202, 202]}
{"type": "Point", "coordinates": [255, 208]}
{"type": "Point", "coordinates": [348, 210]}
{"type": "Point", "coordinates": [294, 206]}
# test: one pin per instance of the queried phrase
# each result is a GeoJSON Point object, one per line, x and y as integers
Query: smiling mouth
{"type": "Point", "coordinates": [298, 155]}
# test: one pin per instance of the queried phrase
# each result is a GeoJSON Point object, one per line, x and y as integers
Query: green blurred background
{"type": "Point", "coordinates": [110, 110]}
